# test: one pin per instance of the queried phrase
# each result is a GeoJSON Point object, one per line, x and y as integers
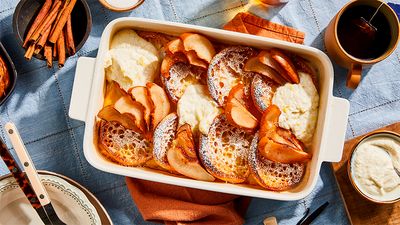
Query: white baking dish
{"type": "Point", "coordinates": [88, 93]}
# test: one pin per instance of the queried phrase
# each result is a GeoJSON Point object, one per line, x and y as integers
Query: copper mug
{"type": "Point", "coordinates": [346, 60]}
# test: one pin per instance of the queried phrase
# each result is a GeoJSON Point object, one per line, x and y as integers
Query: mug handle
{"type": "Point", "coordinates": [354, 76]}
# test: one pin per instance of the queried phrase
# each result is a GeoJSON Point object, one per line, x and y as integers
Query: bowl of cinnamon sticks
{"type": "Point", "coordinates": [52, 30]}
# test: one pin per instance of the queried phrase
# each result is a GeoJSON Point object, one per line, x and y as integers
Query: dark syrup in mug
{"type": "Point", "coordinates": [361, 43]}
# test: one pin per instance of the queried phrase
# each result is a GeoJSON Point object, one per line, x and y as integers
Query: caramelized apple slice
{"type": "Point", "coordinates": [239, 116]}
{"type": "Point", "coordinates": [254, 65]}
{"type": "Point", "coordinates": [269, 120]}
{"type": "Point", "coordinates": [113, 93]}
{"type": "Point", "coordinates": [282, 153]}
{"type": "Point", "coordinates": [182, 156]}
{"type": "Point", "coordinates": [170, 60]}
{"type": "Point", "coordinates": [238, 93]}
{"type": "Point", "coordinates": [160, 102]}
{"type": "Point", "coordinates": [110, 114]}
{"type": "Point", "coordinates": [194, 60]}
{"type": "Point", "coordinates": [187, 168]}
{"type": "Point", "coordinates": [265, 58]}
{"type": "Point", "coordinates": [290, 137]}
{"type": "Point", "coordinates": [135, 109]}
{"type": "Point", "coordinates": [175, 46]}
{"type": "Point", "coordinates": [286, 63]}
{"type": "Point", "coordinates": [141, 95]}
{"type": "Point", "coordinates": [200, 44]}
{"type": "Point", "coordinates": [184, 140]}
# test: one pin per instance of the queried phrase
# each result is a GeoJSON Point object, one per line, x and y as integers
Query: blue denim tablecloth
{"type": "Point", "coordinates": [39, 105]}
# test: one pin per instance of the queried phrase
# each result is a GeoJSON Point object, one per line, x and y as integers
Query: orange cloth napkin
{"type": "Point", "coordinates": [179, 205]}
{"type": "Point", "coordinates": [251, 24]}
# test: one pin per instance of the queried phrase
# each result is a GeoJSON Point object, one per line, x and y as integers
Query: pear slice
{"type": "Point", "coordinates": [141, 95]}
{"type": "Point", "coordinates": [286, 63]}
{"type": "Point", "coordinates": [110, 114]}
{"type": "Point", "coordinates": [200, 44]}
{"type": "Point", "coordinates": [183, 158]}
{"type": "Point", "coordinates": [239, 116]}
{"type": "Point", "coordinates": [254, 65]}
{"type": "Point", "coordinates": [160, 102]}
{"type": "Point", "coordinates": [282, 153]}
{"type": "Point", "coordinates": [126, 105]}
{"type": "Point", "coordinates": [195, 60]}
{"type": "Point", "coordinates": [175, 46]}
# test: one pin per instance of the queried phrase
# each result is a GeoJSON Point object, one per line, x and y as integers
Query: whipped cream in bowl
{"type": "Point", "coordinates": [371, 168]}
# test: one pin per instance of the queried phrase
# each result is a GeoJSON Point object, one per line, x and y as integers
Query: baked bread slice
{"type": "Point", "coordinates": [226, 70]}
{"type": "Point", "coordinates": [122, 145]}
{"type": "Point", "coordinates": [181, 75]}
{"type": "Point", "coordinates": [273, 175]}
{"type": "Point", "coordinates": [164, 135]}
{"type": "Point", "coordinates": [224, 151]}
{"type": "Point", "coordinates": [262, 91]}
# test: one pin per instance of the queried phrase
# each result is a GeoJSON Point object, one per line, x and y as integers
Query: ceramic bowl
{"type": "Point", "coordinates": [26, 11]}
{"type": "Point", "coordinates": [12, 73]}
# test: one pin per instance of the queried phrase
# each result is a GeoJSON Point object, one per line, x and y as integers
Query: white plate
{"type": "Point", "coordinates": [69, 202]}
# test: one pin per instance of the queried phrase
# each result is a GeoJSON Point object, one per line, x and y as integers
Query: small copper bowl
{"type": "Point", "coordinates": [108, 4]}
{"type": "Point", "coordinates": [381, 133]}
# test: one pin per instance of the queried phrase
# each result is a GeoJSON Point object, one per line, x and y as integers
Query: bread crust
{"type": "Point", "coordinates": [226, 70]}
{"type": "Point", "coordinates": [224, 151]}
{"type": "Point", "coordinates": [273, 175]}
{"type": "Point", "coordinates": [164, 134]}
{"type": "Point", "coordinates": [262, 91]}
{"type": "Point", "coordinates": [123, 146]}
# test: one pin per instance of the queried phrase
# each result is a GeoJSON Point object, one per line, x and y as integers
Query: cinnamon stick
{"type": "Point", "coordinates": [61, 50]}
{"type": "Point", "coordinates": [60, 12]}
{"type": "Point", "coordinates": [29, 52]}
{"type": "Point", "coordinates": [48, 55]}
{"type": "Point", "coordinates": [43, 39]}
{"type": "Point", "coordinates": [39, 18]}
{"type": "Point", "coordinates": [54, 51]}
{"type": "Point", "coordinates": [61, 23]}
{"type": "Point", "coordinates": [69, 36]}
{"type": "Point", "coordinates": [46, 23]}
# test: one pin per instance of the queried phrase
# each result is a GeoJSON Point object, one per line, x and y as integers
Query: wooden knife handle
{"type": "Point", "coordinates": [18, 175]}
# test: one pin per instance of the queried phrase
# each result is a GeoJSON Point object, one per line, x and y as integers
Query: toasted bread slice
{"type": "Point", "coordinates": [224, 151]}
{"type": "Point", "coordinates": [273, 175]}
{"type": "Point", "coordinates": [164, 134]}
{"type": "Point", "coordinates": [226, 71]}
{"type": "Point", "coordinates": [262, 91]}
{"type": "Point", "coordinates": [181, 75]}
{"type": "Point", "coordinates": [124, 146]}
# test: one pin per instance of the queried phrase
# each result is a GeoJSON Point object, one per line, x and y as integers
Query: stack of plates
{"type": "Point", "coordinates": [73, 203]}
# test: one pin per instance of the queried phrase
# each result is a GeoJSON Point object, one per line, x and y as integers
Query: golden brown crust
{"type": "Point", "coordinates": [122, 145]}
{"type": "Point", "coordinates": [224, 151]}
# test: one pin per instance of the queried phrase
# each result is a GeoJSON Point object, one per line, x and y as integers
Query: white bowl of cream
{"type": "Point", "coordinates": [371, 168]}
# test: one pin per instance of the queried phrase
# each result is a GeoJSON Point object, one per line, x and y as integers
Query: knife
{"type": "Point", "coordinates": [32, 175]}
{"type": "Point", "coordinates": [22, 181]}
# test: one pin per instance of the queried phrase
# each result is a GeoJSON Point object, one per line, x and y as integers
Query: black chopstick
{"type": "Point", "coordinates": [306, 220]}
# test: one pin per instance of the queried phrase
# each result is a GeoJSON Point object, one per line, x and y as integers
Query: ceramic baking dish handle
{"type": "Point", "coordinates": [81, 89]}
{"type": "Point", "coordinates": [336, 130]}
